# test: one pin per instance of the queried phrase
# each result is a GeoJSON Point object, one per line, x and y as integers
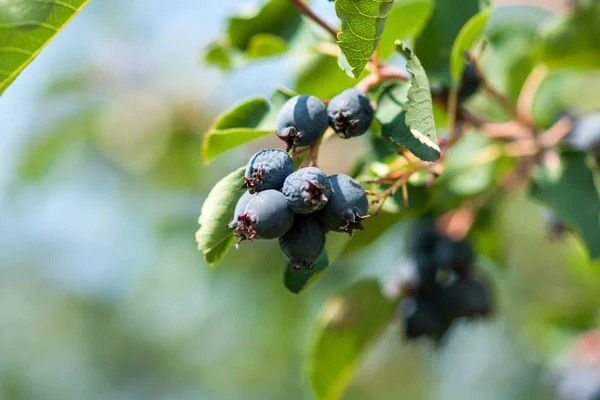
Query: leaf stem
{"type": "Point", "coordinates": [305, 9]}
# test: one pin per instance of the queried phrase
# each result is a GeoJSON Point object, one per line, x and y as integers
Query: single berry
{"type": "Point", "coordinates": [301, 121]}
{"type": "Point", "coordinates": [469, 84]}
{"type": "Point", "coordinates": [350, 113]}
{"type": "Point", "coordinates": [307, 190]}
{"type": "Point", "coordinates": [240, 207]}
{"type": "Point", "coordinates": [585, 134]}
{"type": "Point", "coordinates": [267, 169]}
{"type": "Point", "coordinates": [304, 242]}
{"type": "Point", "coordinates": [455, 255]}
{"type": "Point", "coordinates": [421, 318]}
{"type": "Point", "coordinates": [423, 246]}
{"type": "Point", "coordinates": [466, 297]}
{"type": "Point", "coordinates": [347, 206]}
{"type": "Point", "coordinates": [266, 216]}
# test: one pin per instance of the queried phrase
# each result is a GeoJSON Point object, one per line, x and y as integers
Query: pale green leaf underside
{"type": "Point", "coordinates": [363, 22]}
{"type": "Point", "coordinates": [347, 325]}
{"type": "Point", "coordinates": [26, 27]}
{"type": "Point", "coordinates": [214, 236]}
{"type": "Point", "coordinates": [419, 109]}
{"type": "Point", "coordinates": [466, 38]}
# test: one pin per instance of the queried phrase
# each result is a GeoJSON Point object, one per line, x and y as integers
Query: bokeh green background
{"type": "Point", "coordinates": [103, 294]}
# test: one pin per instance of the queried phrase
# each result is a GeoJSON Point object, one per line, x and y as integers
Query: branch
{"type": "Point", "coordinates": [382, 74]}
{"type": "Point", "coordinates": [305, 9]}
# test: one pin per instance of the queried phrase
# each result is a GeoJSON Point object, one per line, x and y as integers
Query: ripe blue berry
{"type": "Point", "coordinates": [350, 113]}
{"type": "Point", "coordinates": [301, 121]}
{"type": "Point", "coordinates": [307, 190]}
{"type": "Point", "coordinates": [347, 206]}
{"type": "Point", "coordinates": [266, 216]}
{"type": "Point", "coordinates": [267, 169]}
{"type": "Point", "coordinates": [466, 297]}
{"type": "Point", "coordinates": [304, 242]}
{"type": "Point", "coordinates": [469, 82]}
{"type": "Point", "coordinates": [457, 255]}
{"type": "Point", "coordinates": [422, 318]}
{"type": "Point", "coordinates": [240, 207]}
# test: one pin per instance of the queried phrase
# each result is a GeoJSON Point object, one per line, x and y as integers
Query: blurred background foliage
{"type": "Point", "coordinates": [102, 292]}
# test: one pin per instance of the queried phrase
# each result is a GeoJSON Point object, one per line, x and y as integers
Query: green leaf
{"type": "Point", "coordinates": [238, 125]}
{"type": "Point", "coordinates": [363, 22]}
{"type": "Point", "coordinates": [322, 77]}
{"type": "Point", "coordinates": [266, 45]}
{"type": "Point", "coordinates": [434, 44]}
{"type": "Point", "coordinates": [219, 55]}
{"type": "Point", "coordinates": [297, 281]}
{"type": "Point", "coordinates": [26, 27]}
{"type": "Point", "coordinates": [406, 114]}
{"type": "Point", "coordinates": [573, 41]}
{"type": "Point", "coordinates": [407, 18]}
{"type": "Point", "coordinates": [214, 236]}
{"type": "Point", "coordinates": [347, 325]}
{"type": "Point", "coordinates": [566, 92]}
{"type": "Point", "coordinates": [466, 38]}
{"type": "Point", "coordinates": [575, 199]}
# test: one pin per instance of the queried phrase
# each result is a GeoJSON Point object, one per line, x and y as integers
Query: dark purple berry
{"type": "Point", "coordinates": [350, 113]}
{"type": "Point", "coordinates": [469, 84]}
{"type": "Point", "coordinates": [421, 318]}
{"type": "Point", "coordinates": [347, 206]}
{"type": "Point", "coordinates": [266, 216]}
{"type": "Point", "coordinates": [307, 190]}
{"type": "Point", "coordinates": [301, 121]}
{"type": "Point", "coordinates": [304, 242]}
{"type": "Point", "coordinates": [267, 169]}
{"type": "Point", "coordinates": [466, 297]}
{"type": "Point", "coordinates": [240, 207]}
{"type": "Point", "coordinates": [455, 255]}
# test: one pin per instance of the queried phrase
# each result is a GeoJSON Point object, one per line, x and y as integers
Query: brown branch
{"type": "Point", "coordinates": [306, 10]}
{"type": "Point", "coordinates": [382, 74]}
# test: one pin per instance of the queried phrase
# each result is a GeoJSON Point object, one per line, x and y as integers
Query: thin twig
{"type": "Point", "coordinates": [306, 10]}
{"type": "Point", "coordinates": [383, 74]}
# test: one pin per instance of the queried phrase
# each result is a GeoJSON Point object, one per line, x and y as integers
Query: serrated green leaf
{"type": "Point", "coordinates": [434, 44]}
{"type": "Point", "coordinates": [575, 199]}
{"type": "Point", "coordinates": [26, 27]}
{"type": "Point", "coordinates": [347, 325]}
{"type": "Point", "coordinates": [266, 45]}
{"type": "Point", "coordinates": [466, 38]}
{"type": "Point", "coordinates": [363, 22]}
{"type": "Point", "coordinates": [214, 236]}
{"type": "Point", "coordinates": [238, 125]}
{"type": "Point", "coordinates": [417, 111]}
{"type": "Point", "coordinates": [296, 281]}
{"type": "Point", "coordinates": [407, 18]}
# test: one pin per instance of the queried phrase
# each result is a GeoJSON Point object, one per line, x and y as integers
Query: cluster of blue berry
{"type": "Point", "coordinates": [299, 207]}
{"type": "Point", "coordinates": [446, 287]}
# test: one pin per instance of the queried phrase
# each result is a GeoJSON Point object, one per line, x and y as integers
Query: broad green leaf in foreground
{"type": "Point", "coordinates": [214, 237]}
{"type": "Point", "coordinates": [26, 27]}
{"type": "Point", "coordinates": [406, 18]}
{"type": "Point", "coordinates": [467, 37]}
{"type": "Point", "coordinates": [345, 328]}
{"type": "Point", "coordinates": [245, 121]}
{"type": "Point", "coordinates": [297, 281]}
{"type": "Point", "coordinates": [407, 119]}
{"type": "Point", "coordinates": [575, 199]}
{"type": "Point", "coordinates": [363, 22]}
{"type": "Point", "coordinates": [434, 44]}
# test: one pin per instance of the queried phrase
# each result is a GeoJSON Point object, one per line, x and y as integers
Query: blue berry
{"type": "Point", "coordinates": [455, 255]}
{"type": "Point", "coordinates": [469, 84]}
{"type": "Point", "coordinates": [304, 242]}
{"type": "Point", "coordinates": [466, 297]}
{"type": "Point", "coordinates": [350, 113]}
{"type": "Point", "coordinates": [307, 190]}
{"type": "Point", "coordinates": [586, 133]}
{"type": "Point", "coordinates": [347, 206]}
{"type": "Point", "coordinates": [301, 121]}
{"type": "Point", "coordinates": [422, 318]}
{"type": "Point", "coordinates": [240, 207]}
{"type": "Point", "coordinates": [266, 216]}
{"type": "Point", "coordinates": [267, 169]}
